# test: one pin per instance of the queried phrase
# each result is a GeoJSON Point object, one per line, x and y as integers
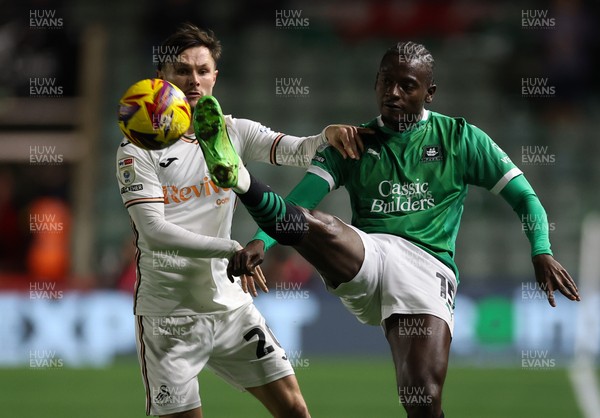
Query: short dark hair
{"type": "Point", "coordinates": [188, 36]}
{"type": "Point", "coordinates": [410, 51]}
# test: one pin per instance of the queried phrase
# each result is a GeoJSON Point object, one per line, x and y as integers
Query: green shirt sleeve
{"type": "Point", "coordinates": [307, 194]}
{"type": "Point", "coordinates": [520, 196]}
{"type": "Point", "coordinates": [329, 164]}
{"type": "Point", "coordinates": [486, 164]}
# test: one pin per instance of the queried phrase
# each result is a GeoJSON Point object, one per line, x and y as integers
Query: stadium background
{"type": "Point", "coordinates": [524, 73]}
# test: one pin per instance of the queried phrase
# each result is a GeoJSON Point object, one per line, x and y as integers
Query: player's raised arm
{"type": "Point", "coordinates": [263, 144]}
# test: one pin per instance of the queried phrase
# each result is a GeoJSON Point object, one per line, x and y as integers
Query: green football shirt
{"type": "Point", "coordinates": [413, 183]}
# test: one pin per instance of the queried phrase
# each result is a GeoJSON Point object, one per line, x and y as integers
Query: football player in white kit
{"type": "Point", "coordinates": [188, 313]}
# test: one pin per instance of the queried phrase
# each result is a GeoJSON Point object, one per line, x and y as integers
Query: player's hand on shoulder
{"type": "Point", "coordinates": [347, 139]}
{"type": "Point", "coordinates": [245, 264]}
{"type": "Point", "coordinates": [551, 276]}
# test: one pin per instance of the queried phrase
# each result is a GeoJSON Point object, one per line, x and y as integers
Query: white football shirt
{"type": "Point", "coordinates": [171, 278]}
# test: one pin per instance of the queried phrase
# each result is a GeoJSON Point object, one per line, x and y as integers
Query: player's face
{"type": "Point", "coordinates": [402, 88]}
{"type": "Point", "coordinates": [194, 73]}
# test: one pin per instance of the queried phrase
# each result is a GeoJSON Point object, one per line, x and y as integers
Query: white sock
{"type": "Point", "coordinates": [243, 183]}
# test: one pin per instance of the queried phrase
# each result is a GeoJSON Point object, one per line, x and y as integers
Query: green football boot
{"type": "Point", "coordinates": [221, 158]}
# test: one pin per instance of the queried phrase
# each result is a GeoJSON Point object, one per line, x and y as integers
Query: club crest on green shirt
{"type": "Point", "coordinates": [432, 153]}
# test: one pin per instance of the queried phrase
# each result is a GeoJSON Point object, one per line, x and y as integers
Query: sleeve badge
{"type": "Point", "coordinates": [126, 171]}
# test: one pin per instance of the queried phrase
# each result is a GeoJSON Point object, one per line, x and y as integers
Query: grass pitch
{"type": "Point", "coordinates": [340, 388]}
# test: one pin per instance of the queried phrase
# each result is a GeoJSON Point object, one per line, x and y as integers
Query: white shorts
{"type": "Point", "coordinates": [397, 277]}
{"type": "Point", "coordinates": [237, 345]}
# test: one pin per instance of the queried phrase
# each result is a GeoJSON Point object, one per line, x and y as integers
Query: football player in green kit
{"type": "Point", "coordinates": [394, 265]}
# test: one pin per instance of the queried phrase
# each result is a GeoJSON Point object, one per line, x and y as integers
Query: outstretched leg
{"type": "Point", "coordinates": [331, 246]}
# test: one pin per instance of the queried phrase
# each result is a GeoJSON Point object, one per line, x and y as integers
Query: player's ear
{"type": "Point", "coordinates": [376, 78]}
{"type": "Point", "coordinates": [430, 92]}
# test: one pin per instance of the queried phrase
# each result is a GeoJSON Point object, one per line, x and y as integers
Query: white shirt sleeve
{"type": "Point", "coordinates": [149, 222]}
{"type": "Point", "coordinates": [136, 173]}
{"type": "Point", "coordinates": [143, 197]}
{"type": "Point", "coordinates": [260, 143]}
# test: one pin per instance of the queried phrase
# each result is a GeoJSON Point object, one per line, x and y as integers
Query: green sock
{"type": "Point", "coordinates": [282, 221]}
